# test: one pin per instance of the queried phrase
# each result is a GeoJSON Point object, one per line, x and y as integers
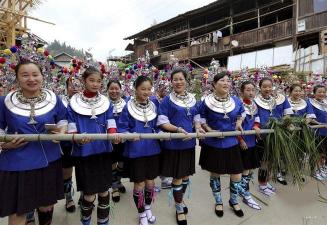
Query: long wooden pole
{"type": "Point", "coordinates": [131, 136]}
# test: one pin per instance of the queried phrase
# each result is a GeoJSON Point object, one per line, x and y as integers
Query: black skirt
{"type": "Point", "coordinates": [250, 158]}
{"type": "Point", "coordinates": [177, 163]}
{"type": "Point", "coordinates": [93, 173]}
{"type": "Point", "coordinates": [117, 153]}
{"type": "Point", "coordinates": [221, 161]}
{"type": "Point", "coordinates": [261, 146]}
{"type": "Point", "coordinates": [67, 158]}
{"type": "Point", "coordinates": [24, 191]}
{"type": "Point", "coordinates": [143, 168]}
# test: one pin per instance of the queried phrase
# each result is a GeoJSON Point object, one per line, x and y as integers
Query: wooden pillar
{"type": "Point", "coordinates": [258, 12]}
{"type": "Point", "coordinates": [188, 40]}
{"type": "Point", "coordinates": [231, 14]}
{"type": "Point", "coordinates": [231, 30]}
{"type": "Point", "coordinates": [294, 25]}
{"type": "Point", "coordinates": [20, 11]}
{"type": "Point", "coordinates": [10, 25]}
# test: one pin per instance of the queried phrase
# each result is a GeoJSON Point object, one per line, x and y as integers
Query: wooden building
{"type": "Point", "coordinates": [228, 27]}
{"type": "Point", "coordinates": [13, 19]}
{"type": "Point", "coordinates": [63, 59]}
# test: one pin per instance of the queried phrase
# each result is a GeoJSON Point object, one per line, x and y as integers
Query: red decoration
{"type": "Point", "coordinates": [46, 53]}
{"type": "Point", "coordinates": [12, 66]}
{"type": "Point", "coordinates": [2, 60]}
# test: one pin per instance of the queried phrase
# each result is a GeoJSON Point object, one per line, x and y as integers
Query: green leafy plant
{"type": "Point", "coordinates": [291, 147]}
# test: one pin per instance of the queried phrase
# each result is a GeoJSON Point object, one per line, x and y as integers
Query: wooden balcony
{"type": "Point", "coordinates": [260, 36]}
{"type": "Point", "coordinates": [181, 54]}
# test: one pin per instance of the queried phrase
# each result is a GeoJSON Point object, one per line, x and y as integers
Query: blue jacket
{"type": "Point", "coordinates": [33, 155]}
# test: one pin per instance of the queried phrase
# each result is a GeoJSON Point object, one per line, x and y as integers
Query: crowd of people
{"type": "Point", "coordinates": [35, 175]}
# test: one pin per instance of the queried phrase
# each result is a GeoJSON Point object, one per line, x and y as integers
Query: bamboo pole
{"type": "Point", "coordinates": [132, 136]}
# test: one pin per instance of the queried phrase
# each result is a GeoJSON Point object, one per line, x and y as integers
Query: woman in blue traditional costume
{"type": "Point", "coordinates": [161, 88]}
{"type": "Point", "coordinates": [115, 97]}
{"type": "Point", "coordinates": [140, 116]}
{"type": "Point", "coordinates": [250, 156]}
{"type": "Point", "coordinates": [178, 113]}
{"type": "Point", "coordinates": [222, 112]}
{"type": "Point", "coordinates": [30, 172]}
{"type": "Point", "coordinates": [72, 87]}
{"type": "Point", "coordinates": [319, 106]}
{"type": "Point", "coordinates": [91, 112]}
{"type": "Point", "coordinates": [269, 106]}
{"type": "Point", "coordinates": [300, 106]}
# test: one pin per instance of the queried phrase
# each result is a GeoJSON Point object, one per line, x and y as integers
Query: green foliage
{"type": "Point", "coordinates": [57, 47]}
{"type": "Point", "coordinates": [121, 65]}
{"type": "Point", "coordinates": [292, 147]}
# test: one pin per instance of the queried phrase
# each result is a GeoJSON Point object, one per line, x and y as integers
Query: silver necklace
{"type": "Point", "coordinates": [223, 102]}
{"type": "Point", "coordinates": [184, 97]}
{"type": "Point", "coordinates": [270, 102]}
{"type": "Point", "coordinates": [116, 105]}
{"type": "Point", "coordinates": [91, 102]}
{"type": "Point", "coordinates": [251, 108]}
{"type": "Point", "coordinates": [32, 102]}
{"type": "Point", "coordinates": [143, 108]}
{"type": "Point", "coordinates": [297, 105]}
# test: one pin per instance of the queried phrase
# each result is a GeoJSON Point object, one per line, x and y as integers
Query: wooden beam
{"type": "Point", "coordinates": [295, 22]}
{"type": "Point", "coordinates": [258, 12]}
{"type": "Point", "coordinates": [188, 40]}
{"type": "Point", "coordinates": [231, 14]}
{"type": "Point", "coordinates": [24, 15]}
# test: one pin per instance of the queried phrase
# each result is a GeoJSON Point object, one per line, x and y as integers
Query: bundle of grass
{"type": "Point", "coordinates": [292, 147]}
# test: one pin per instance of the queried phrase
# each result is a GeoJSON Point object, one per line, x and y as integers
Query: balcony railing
{"type": "Point", "coordinates": [250, 38]}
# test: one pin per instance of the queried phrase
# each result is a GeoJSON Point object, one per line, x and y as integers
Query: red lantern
{"type": "Point", "coordinates": [46, 53]}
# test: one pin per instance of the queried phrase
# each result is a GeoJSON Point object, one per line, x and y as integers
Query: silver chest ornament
{"type": "Point", "coordinates": [271, 103]}
{"type": "Point", "coordinates": [220, 105]}
{"type": "Point", "coordinates": [31, 107]}
{"type": "Point", "coordinates": [143, 113]}
{"type": "Point", "coordinates": [118, 106]}
{"type": "Point", "coordinates": [89, 106]}
{"type": "Point", "coordinates": [250, 109]}
{"type": "Point", "coordinates": [319, 105]}
{"type": "Point", "coordinates": [297, 105]}
{"type": "Point", "coordinates": [186, 101]}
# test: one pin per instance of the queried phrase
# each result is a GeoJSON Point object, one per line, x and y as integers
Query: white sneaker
{"type": "Point", "coordinates": [272, 188]}
{"type": "Point", "coordinates": [323, 172]}
{"type": "Point", "coordinates": [266, 190]}
{"type": "Point", "coordinates": [143, 220]}
{"type": "Point", "coordinates": [166, 183]}
{"type": "Point", "coordinates": [151, 218]}
{"type": "Point", "coordinates": [251, 203]}
{"type": "Point", "coordinates": [318, 176]}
